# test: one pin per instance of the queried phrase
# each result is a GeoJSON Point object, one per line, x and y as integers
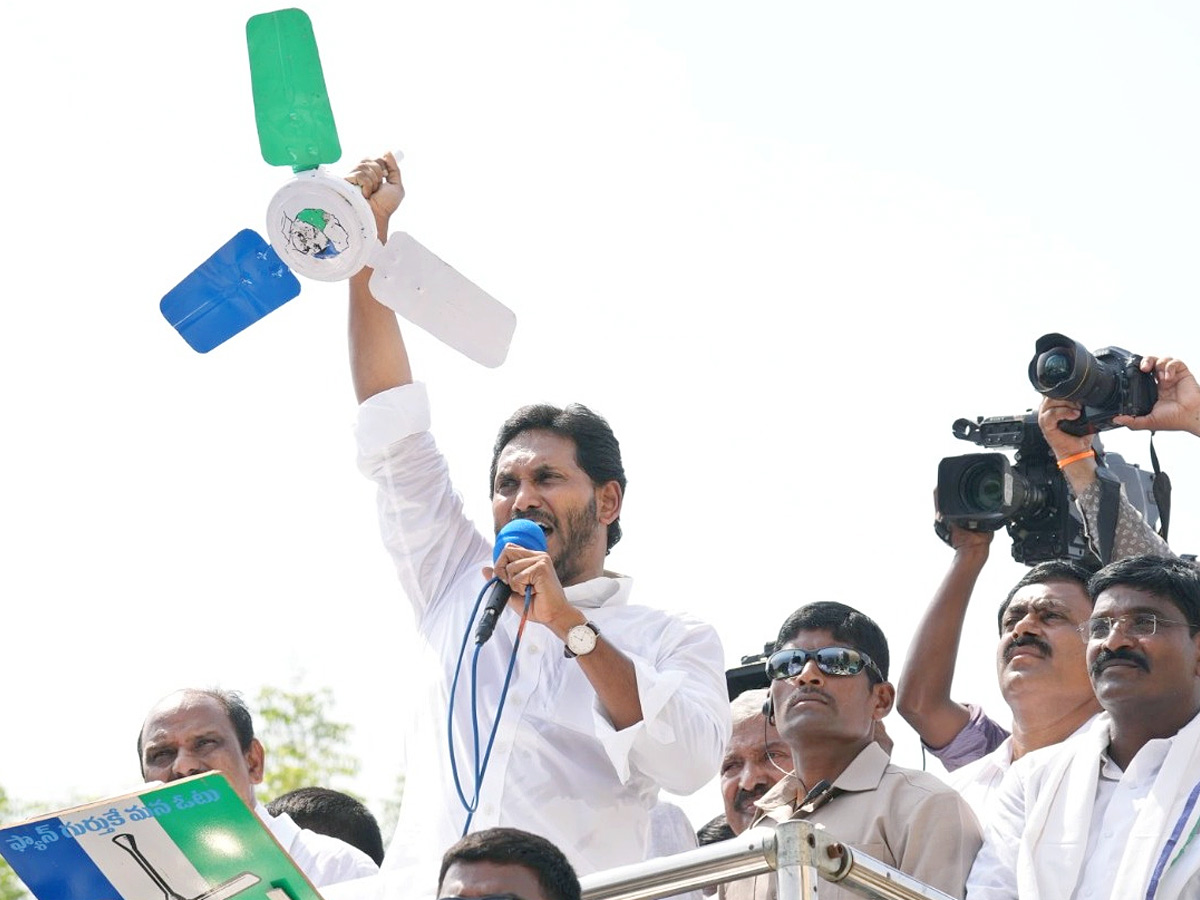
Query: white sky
{"type": "Point", "coordinates": [782, 246]}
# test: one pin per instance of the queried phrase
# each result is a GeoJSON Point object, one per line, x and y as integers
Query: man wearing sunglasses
{"type": "Point", "coordinates": [829, 688]}
{"type": "Point", "coordinates": [1114, 812]}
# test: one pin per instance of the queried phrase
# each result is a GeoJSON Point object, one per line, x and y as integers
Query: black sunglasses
{"type": "Point", "coordinates": [831, 660]}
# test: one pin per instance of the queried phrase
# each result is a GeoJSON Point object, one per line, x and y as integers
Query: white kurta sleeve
{"type": "Point", "coordinates": [421, 519]}
{"type": "Point", "coordinates": [685, 709]}
{"type": "Point", "coordinates": [994, 875]}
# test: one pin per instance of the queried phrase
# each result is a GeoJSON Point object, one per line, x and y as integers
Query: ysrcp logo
{"type": "Point", "coordinates": [315, 233]}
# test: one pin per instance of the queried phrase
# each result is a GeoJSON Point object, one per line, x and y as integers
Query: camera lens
{"type": "Point", "coordinates": [1053, 368]}
{"type": "Point", "coordinates": [1064, 369]}
{"type": "Point", "coordinates": [982, 488]}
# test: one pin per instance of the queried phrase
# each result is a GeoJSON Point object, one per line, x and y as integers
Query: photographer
{"type": "Point", "coordinates": [1039, 657]}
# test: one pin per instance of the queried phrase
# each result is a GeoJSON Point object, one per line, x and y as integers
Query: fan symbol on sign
{"type": "Point", "coordinates": [315, 232]}
{"type": "Point", "coordinates": [321, 226]}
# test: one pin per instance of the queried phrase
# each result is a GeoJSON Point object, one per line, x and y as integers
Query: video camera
{"type": "Point", "coordinates": [751, 674]}
{"type": "Point", "coordinates": [985, 491]}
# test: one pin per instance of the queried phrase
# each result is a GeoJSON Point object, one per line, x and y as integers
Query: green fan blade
{"type": "Point", "coordinates": [291, 106]}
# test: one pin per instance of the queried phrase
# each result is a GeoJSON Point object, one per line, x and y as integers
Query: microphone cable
{"type": "Point", "coordinates": [480, 765]}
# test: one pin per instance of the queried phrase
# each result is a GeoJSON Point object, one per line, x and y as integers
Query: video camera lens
{"type": "Point", "coordinates": [982, 488]}
{"type": "Point", "coordinates": [983, 492]}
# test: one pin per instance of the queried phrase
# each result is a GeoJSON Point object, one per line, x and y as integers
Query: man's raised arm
{"type": "Point", "coordinates": [923, 695]}
{"type": "Point", "coordinates": [378, 358]}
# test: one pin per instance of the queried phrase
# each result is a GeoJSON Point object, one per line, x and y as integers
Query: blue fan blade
{"type": "Point", "coordinates": [228, 292]}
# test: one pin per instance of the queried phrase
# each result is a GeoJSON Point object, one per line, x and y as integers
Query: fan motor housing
{"type": "Point", "coordinates": [321, 226]}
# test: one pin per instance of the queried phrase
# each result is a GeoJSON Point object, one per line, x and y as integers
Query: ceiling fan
{"type": "Point", "coordinates": [319, 225]}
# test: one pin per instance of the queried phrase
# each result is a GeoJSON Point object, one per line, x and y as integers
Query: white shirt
{"type": "Point", "coordinates": [1064, 827]}
{"type": "Point", "coordinates": [979, 782]}
{"type": "Point", "coordinates": [1119, 796]}
{"type": "Point", "coordinates": [558, 767]}
{"type": "Point", "coordinates": [324, 859]}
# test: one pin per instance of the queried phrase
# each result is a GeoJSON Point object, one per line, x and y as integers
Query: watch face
{"type": "Point", "coordinates": [581, 639]}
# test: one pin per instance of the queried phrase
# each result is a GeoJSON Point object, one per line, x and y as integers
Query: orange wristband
{"type": "Point", "coordinates": [1076, 457]}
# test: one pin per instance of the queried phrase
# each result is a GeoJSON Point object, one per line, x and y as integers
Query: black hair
{"type": "Point", "coordinates": [333, 813]}
{"type": "Point", "coordinates": [597, 451]}
{"type": "Point", "coordinates": [1165, 577]}
{"type": "Point", "coordinates": [1043, 573]}
{"type": "Point", "coordinates": [511, 846]}
{"type": "Point", "coordinates": [846, 624]}
{"type": "Point", "coordinates": [714, 830]}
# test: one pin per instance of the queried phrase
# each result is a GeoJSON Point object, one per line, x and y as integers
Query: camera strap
{"type": "Point", "coordinates": [1161, 488]}
{"type": "Point", "coordinates": [1110, 504]}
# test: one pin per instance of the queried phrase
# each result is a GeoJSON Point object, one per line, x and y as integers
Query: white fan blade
{"type": "Point", "coordinates": [424, 290]}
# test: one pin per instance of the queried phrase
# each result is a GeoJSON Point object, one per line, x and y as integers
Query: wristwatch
{"type": "Point", "coordinates": [581, 640]}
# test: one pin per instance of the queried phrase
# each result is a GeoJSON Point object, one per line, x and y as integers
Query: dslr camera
{"type": "Point", "coordinates": [1107, 383]}
{"type": "Point", "coordinates": [1029, 495]}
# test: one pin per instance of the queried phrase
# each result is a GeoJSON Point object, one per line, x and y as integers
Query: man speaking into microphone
{"type": "Point", "coordinates": [606, 702]}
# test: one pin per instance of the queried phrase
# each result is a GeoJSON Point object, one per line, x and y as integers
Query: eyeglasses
{"type": "Point", "coordinates": [1098, 628]}
{"type": "Point", "coordinates": [830, 660]}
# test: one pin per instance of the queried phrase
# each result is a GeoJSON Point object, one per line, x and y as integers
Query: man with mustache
{"type": "Point", "coordinates": [1040, 669]}
{"type": "Point", "coordinates": [606, 703]}
{"type": "Point", "coordinates": [1039, 664]}
{"type": "Point", "coordinates": [829, 690]}
{"type": "Point", "coordinates": [1113, 813]}
{"type": "Point", "coordinates": [756, 758]}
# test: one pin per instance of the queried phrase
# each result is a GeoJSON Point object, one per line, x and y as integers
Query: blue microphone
{"type": "Point", "coordinates": [523, 533]}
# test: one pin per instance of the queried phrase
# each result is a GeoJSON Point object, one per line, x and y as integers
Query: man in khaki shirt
{"type": "Point", "coordinates": [829, 689]}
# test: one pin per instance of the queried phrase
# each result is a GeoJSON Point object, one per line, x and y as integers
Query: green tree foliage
{"type": "Point", "coordinates": [304, 746]}
{"type": "Point", "coordinates": [10, 885]}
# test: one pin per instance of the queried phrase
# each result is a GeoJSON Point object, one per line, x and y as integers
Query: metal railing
{"type": "Point", "coordinates": [800, 853]}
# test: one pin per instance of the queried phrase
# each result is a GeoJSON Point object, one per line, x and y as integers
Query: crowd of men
{"type": "Point", "coordinates": [600, 703]}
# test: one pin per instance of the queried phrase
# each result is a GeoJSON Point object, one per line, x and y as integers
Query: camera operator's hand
{"type": "Point", "coordinates": [1081, 473]}
{"type": "Point", "coordinates": [923, 694]}
{"type": "Point", "coordinates": [1050, 413]}
{"type": "Point", "coordinates": [1178, 406]}
{"type": "Point", "coordinates": [962, 540]}
{"type": "Point", "coordinates": [966, 540]}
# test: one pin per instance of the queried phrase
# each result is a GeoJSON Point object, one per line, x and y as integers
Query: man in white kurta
{"type": "Point", "coordinates": [608, 703]}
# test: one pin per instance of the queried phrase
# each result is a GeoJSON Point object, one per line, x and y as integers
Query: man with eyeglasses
{"type": "Point", "coordinates": [506, 864]}
{"type": "Point", "coordinates": [1039, 664]}
{"type": "Point", "coordinates": [829, 688]}
{"type": "Point", "coordinates": [958, 734]}
{"type": "Point", "coordinates": [1115, 812]}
